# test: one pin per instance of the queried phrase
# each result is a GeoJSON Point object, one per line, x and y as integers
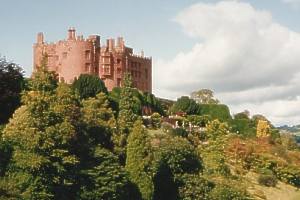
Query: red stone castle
{"type": "Point", "coordinates": [76, 55]}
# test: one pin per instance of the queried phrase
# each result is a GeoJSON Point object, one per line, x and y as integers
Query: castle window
{"type": "Point", "coordinates": [118, 61]}
{"type": "Point", "coordinates": [118, 70]}
{"type": "Point", "coordinates": [87, 67]}
{"type": "Point", "coordinates": [146, 73]}
{"type": "Point", "coordinates": [65, 54]}
{"type": "Point", "coordinates": [87, 54]}
{"type": "Point", "coordinates": [119, 82]}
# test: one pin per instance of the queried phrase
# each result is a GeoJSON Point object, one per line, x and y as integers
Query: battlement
{"type": "Point", "coordinates": [77, 55]}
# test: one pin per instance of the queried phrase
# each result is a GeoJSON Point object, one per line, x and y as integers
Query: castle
{"type": "Point", "coordinates": [76, 55]}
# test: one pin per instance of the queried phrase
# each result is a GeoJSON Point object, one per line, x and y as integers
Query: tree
{"type": "Point", "coordinates": [11, 86]}
{"type": "Point", "coordinates": [175, 159]}
{"type": "Point", "coordinates": [156, 120]}
{"type": "Point", "coordinates": [243, 115]}
{"type": "Point", "coordinates": [42, 131]}
{"type": "Point", "coordinates": [185, 104]}
{"type": "Point", "coordinates": [99, 120]}
{"type": "Point", "coordinates": [106, 179]}
{"type": "Point", "coordinates": [263, 129]}
{"type": "Point", "coordinates": [126, 118]}
{"type": "Point", "coordinates": [42, 79]}
{"type": "Point", "coordinates": [89, 86]}
{"type": "Point", "coordinates": [138, 160]}
{"type": "Point", "coordinates": [204, 96]}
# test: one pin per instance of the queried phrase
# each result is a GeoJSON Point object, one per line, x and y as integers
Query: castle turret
{"type": "Point", "coordinates": [40, 38]}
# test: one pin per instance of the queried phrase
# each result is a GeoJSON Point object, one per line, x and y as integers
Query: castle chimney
{"type": "Point", "coordinates": [120, 42]}
{"type": "Point", "coordinates": [71, 34]}
{"type": "Point", "coordinates": [111, 44]}
{"type": "Point", "coordinates": [40, 38]}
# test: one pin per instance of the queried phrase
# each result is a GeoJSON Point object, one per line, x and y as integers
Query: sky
{"type": "Point", "coordinates": [246, 51]}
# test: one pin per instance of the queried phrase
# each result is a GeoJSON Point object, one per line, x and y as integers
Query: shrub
{"type": "Point", "coordinates": [289, 174]}
{"type": "Point", "coordinates": [179, 132]}
{"type": "Point", "coordinates": [268, 180]}
{"type": "Point", "coordinates": [156, 120]}
{"type": "Point", "coordinates": [166, 127]}
{"type": "Point", "coordinates": [224, 192]}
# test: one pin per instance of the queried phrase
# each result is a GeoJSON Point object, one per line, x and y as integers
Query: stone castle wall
{"type": "Point", "coordinates": [74, 56]}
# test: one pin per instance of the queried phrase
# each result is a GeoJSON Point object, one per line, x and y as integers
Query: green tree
{"type": "Point", "coordinates": [175, 159]}
{"type": "Point", "coordinates": [185, 104]}
{"type": "Point", "coordinates": [156, 120]}
{"type": "Point", "coordinates": [41, 132]}
{"type": "Point", "coordinates": [99, 120]}
{"type": "Point", "coordinates": [204, 96]}
{"type": "Point", "coordinates": [138, 160]}
{"type": "Point", "coordinates": [43, 80]}
{"type": "Point", "coordinates": [106, 179]}
{"type": "Point", "coordinates": [89, 86]}
{"type": "Point", "coordinates": [11, 85]}
{"type": "Point", "coordinates": [126, 118]}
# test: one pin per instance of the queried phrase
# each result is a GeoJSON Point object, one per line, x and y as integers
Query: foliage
{"type": "Point", "coordinates": [89, 86]}
{"type": "Point", "coordinates": [263, 129]}
{"type": "Point", "coordinates": [198, 120]}
{"type": "Point", "coordinates": [193, 186]}
{"type": "Point", "coordinates": [289, 174]}
{"type": "Point", "coordinates": [175, 164]}
{"type": "Point", "coordinates": [243, 115]}
{"type": "Point", "coordinates": [43, 80]}
{"type": "Point", "coordinates": [151, 101]}
{"type": "Point", "coordinates": [156, 120]}
{"type": "Point", "coordinates": [137, 161]}
{"type": "Point", "coordinates": [126, 118]}
{"type": "Point", "coordinates": [5, 154]}
{"type": "Point", "coordinates": [107, 179]}
{"type": "Point", "coordinates": [219, 111]}
{"type": "Point", "coordinates": [179, 132]}
{"type": "Point", "coordinates": [268, 180]}
{"type": "Point", "coordinates": [243, 127]}
{"type": "Point", "coordinates": [204, 96]}
{"type": "Point", "coordinates": [225, 192]}
{"type": "Point", "coordinates": [99, 120]}
{"type": "Point", "coordinates": [179, 155]}
{"type": "Point", "coordinates": [11, 86]}
{"type": "Point", "coordinates": [185, 104]}
{"type": "Point", "coordinates": [216, 130]}
{"type": "Point", "coordinates": [41, 132]}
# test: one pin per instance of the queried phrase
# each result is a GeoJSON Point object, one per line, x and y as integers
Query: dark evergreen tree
{"type": "Point", "coordinates": [138, 160]}
{"type": "Point", "coordinates": [126, 118]}
{"type": "Point", "coordinates": [89, 86]}
{"type": "Point", "coordinates": [107, 179]}
{"type": "Point", "coordinates": [11, 85]}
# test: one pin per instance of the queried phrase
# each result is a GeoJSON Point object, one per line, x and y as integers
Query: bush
{"type": "Point", "coordinates": [195, 187]}
{"type": "Point", "coordinates": [166, 127]}
{"type": "Point", "coordinates": [289, 174]}
{"type": "Point", "coordinates": [156, 120]}
{"type": "Point", "coordinates": [268, 180]}
{"type": "Point", "coordinates": [181, 132]}
{"type": "Point", "coordinates": [225, 192]}
{"type": "Point", "coordinates": [216, 111]}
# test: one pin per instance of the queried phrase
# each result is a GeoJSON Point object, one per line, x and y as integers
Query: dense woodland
{"type": "Point", "coordinates": [80, 141]}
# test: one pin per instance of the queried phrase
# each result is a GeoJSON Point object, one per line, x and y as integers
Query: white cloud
{"type": "Point", "coordinates": [248, 59]}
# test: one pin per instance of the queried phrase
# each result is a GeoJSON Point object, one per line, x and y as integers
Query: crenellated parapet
{"type": "Point", "coordinates": [77, 55]}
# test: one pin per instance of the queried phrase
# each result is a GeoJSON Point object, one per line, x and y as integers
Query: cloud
{"type": "Point", "coordinates": [246, 57]}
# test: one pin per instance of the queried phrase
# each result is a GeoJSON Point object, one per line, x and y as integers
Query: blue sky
{"type": "Point", "coordinates": [201, 42]}
{"type": "Point", "coordinates": [146, 25]}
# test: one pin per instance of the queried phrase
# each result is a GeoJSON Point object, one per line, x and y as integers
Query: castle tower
{"type": "Point", "coordinates": [74, 56]}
